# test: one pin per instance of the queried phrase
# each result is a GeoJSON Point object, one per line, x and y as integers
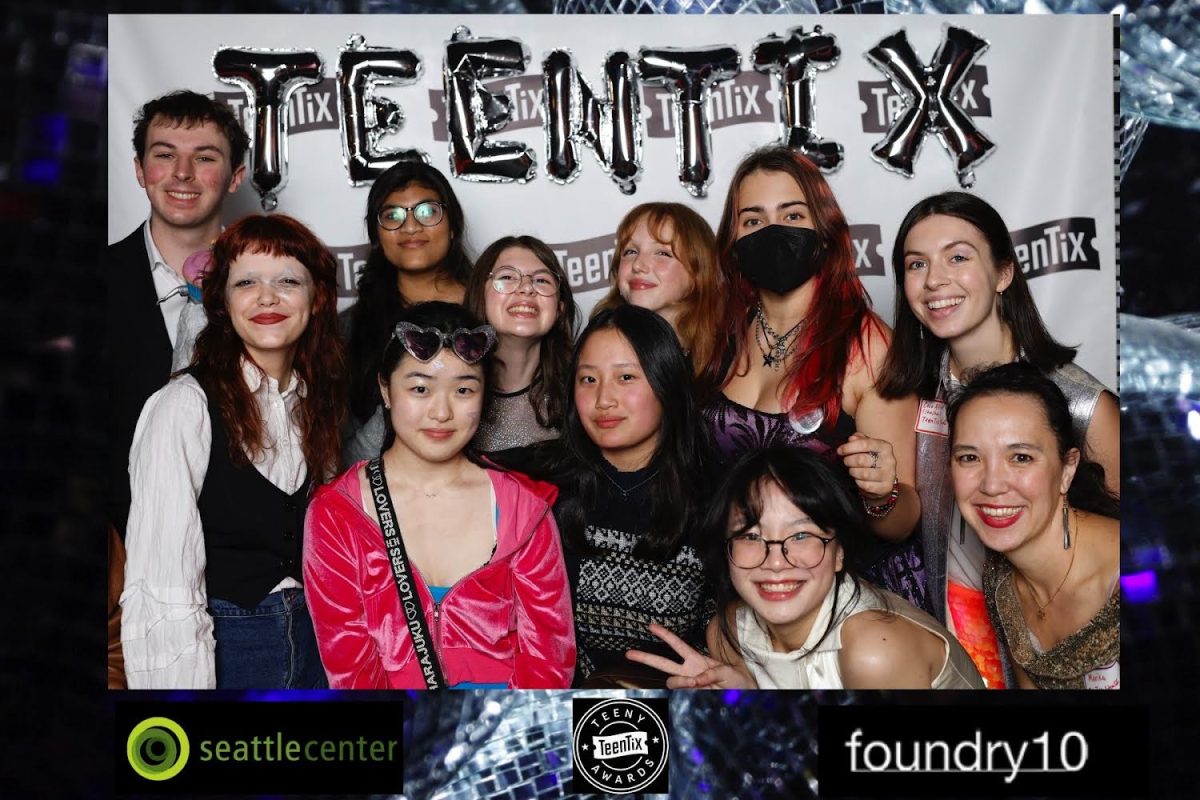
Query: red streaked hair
{"type": "Point", "coordinates": [319, 360]}
{"type": "Point", "coordinates": [840, 318]}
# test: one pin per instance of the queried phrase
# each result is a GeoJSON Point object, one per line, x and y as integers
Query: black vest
{"type": "Point", "coordinates": [253, 530]}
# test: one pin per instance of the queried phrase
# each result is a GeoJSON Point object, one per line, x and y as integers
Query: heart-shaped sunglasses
{"type": "Point", "coordinates": [424, 343]}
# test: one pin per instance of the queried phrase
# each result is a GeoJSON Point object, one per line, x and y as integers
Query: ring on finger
{"type": "Point", "coordinates": [874, 459]}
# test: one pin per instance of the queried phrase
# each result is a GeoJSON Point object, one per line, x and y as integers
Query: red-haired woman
{"type": "Point", "coordinates": [223, 461]}
{"type": "Point", "coordinates": [667, 263]}
{"type": "Point", "coordinates": [808, 348]}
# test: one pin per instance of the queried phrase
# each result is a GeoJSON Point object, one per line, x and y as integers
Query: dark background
{"type": "Point", "coordinates": [57, 717]}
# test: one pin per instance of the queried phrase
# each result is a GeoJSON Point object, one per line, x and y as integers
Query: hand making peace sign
{"type": "Point", "coordinates": [697, 671]}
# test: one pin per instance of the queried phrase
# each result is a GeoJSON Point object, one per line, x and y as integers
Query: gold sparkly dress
{"type": "Point", "coordinates": [1095, 646]}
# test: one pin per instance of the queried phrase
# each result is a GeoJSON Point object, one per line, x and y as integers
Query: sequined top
{"type": "Point", "coordinates": [511, 422]}
{"type": "Point", "coordinates": [1066, 665]}
{"type": "Point", "coordinates": [817, 664]}
{"type": "Point", "coordinates": [737, 429]}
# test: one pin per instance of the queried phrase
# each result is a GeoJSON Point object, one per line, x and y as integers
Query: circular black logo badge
{"type": "Point", "coordinates": [620, 745]}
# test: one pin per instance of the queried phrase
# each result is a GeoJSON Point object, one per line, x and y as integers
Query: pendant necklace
{"type": "Point", "coordinates": [1041, 607]}
{"type": "Point", "coordinates": [626, 492]}
{"type": "Point", "coordinates": [774, 353]}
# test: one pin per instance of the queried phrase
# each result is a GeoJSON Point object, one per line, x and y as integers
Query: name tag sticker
{"type": "Point", "coordinates": [931, 418]}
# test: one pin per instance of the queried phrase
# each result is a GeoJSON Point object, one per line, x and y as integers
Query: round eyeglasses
{"type": "Point", "coordinates": [749, 550]}
{"type": "Point", "coordinates": [507, 280]}
{"type": "Point", "coordinates": [428, 213]}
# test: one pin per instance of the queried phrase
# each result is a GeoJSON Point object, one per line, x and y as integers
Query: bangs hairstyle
{"type": "Point", "coordinates": [447, 318]}
{"type": "Point", "coordinates": [810, 485]}
{"type": "Point", "coordinates": [701, 325]}
{"type": "Point", "coordinates": [189, 109]}
{"type": "Point", "coordinates": [914, 360]}
{"type": "Point", "coordinates": [319, 360]}
{"type": "Point", "coordinates": [840, 318]}
{"type": "Point", "coordinates": [554, 352]}
{"type": "Point", "coordinates": [681, 457]}
{"type": "Point", "coordinates": [379, 303]}
{"type": "Point", "coordinates": [1019, 379]}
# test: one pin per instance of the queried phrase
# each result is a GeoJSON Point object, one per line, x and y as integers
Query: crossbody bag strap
{"type": "Point", "coordinates": [398, 558]}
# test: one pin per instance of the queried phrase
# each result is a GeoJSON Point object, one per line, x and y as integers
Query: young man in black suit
{"type": "Point", "coordinates": [188, 153]}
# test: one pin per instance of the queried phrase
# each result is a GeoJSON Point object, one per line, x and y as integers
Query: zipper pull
{"type": "Point", "coordinates": [437, 611]}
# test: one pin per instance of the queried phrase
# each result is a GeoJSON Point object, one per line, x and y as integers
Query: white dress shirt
{"type": "Point", "coordinates": [166, 633]}
{"type": "Point", "coordinates": [166, 282]}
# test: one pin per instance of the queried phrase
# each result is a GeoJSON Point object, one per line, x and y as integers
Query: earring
{"type": "Point", "coordinates": [1066, 526]}
{"type": "Point", "coordinates": [921, 332]}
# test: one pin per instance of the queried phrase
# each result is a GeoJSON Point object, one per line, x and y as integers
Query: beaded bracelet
{"type": "Point", "coordinates": [883, 509]}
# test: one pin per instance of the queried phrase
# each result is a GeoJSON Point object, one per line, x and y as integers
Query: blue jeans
{"type": "Point", "coordinates": [271, 646]}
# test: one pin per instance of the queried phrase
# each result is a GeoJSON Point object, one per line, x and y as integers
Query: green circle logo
{"type": "Point", "coordinates": [157, 749]}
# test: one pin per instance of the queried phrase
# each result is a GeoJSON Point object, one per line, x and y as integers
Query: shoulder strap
{"type": "Point", "coordinates": [398, 557]}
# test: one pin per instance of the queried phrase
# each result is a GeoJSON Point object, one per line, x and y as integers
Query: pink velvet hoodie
{"type": "Point", "coordinates": [507, 622]}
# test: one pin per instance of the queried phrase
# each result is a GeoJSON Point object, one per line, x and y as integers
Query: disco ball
{"type": "Point", "coordinates": [749, 745]}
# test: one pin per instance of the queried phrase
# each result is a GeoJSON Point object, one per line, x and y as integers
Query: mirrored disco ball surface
{"type": "Point", "coordinates": [442, 730]}
{"type": "Point", "coordinates": [718, 7]}
{"type": "Point", "coordinates": [1160, 442]}
{"type": "Point", "coordinates": [748, 745]}
{"type": "Point", "coordinates": [1160, 47]}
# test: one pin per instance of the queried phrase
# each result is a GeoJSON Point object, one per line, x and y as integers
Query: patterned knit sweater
{"type": "Point", "coordinates": [617, 595]}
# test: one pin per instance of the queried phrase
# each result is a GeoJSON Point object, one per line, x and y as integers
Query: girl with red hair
{"type": "Point", "coordinates": [806, 350]}
{"type": "Point", "coordinates": [223, 461]}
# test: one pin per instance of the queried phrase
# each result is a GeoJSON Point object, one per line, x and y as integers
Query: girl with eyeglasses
{"type": "Point", "coordinates": [418, 253]}
{"type": "Point", "coordinates": [786, 536]}
{"type": "Point", "coordinates": [222, 465]}
{"type": "Point", "coordinates": [519, 287]}
{"type": "Point", "coordinates": [667, 263]}
{"type": "Point", "coordinates": [426, 566]}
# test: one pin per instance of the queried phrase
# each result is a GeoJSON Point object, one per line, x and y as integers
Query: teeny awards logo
{"type": "Point", "coordinates": [157, 749]}
{"type": "Point", "coordinates": [620, 745]}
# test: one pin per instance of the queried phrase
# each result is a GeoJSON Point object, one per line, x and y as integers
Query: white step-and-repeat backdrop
{"type": "Point", "coordinates": [1039, 88]}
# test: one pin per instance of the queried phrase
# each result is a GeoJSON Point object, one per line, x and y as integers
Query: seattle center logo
{"type": "Point", "coordinates": [620, 746]}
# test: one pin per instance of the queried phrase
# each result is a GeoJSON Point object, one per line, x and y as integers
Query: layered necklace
{"type": "Point", "coordinates": [773, 345]}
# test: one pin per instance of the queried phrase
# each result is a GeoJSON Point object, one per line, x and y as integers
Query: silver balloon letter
{"type": "Point", "coordinates": [691, 74]}
{"type": "Point", "coordinates": [365, 118]}
{"type": "Point", "coordinates": [472, 112]}
{"type": "Point", "coordinates": [612, 127]}
{"type": "Point", "coordinates": [268, 77]}
{"type": "Point", "coordinates": [929, 105]}
{"type": "Point", "coordinates": [797, 59]}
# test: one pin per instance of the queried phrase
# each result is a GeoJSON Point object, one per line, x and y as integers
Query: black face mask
{"type": "Point", "coordinates": [779, 258]}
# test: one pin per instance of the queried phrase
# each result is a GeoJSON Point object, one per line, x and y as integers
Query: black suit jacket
{"type": "Point", "coordinates": [137, 352]}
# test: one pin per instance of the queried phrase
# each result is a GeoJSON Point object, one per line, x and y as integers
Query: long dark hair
{"type": "Point", "coordinates": [681, 457]}
{"type": "Point", "coordinates": [914, 360]}
{"type": "Point", "coordinates": [554, 354]}
{"type": "Point", "coordinates": [447, 318]}
{"type": "Point", "coordinates": [379, 301]}
{"type": "Point", "coordinates": [810, 484]}
{"type": "Point", "coordinates": [1088, 490]}
{"type": "Point", "coordinates": [840, 319]}
{"type": "Point", "coordinates": [319, 360]}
